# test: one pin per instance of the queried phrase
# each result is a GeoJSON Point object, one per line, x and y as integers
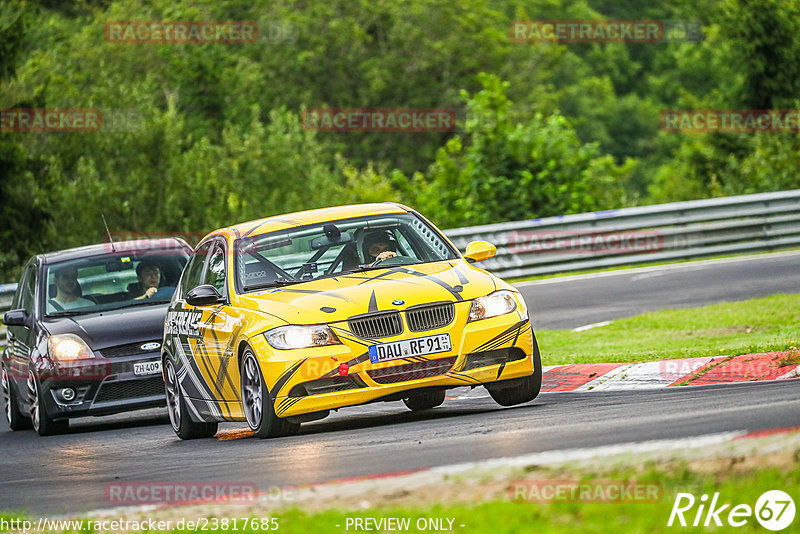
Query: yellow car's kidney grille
{"type": "Point", "coordinates": [430, 317]}
{"type": "Point", "coordinates": [382, 324]}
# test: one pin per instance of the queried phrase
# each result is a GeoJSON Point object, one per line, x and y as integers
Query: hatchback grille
{"type": "Point", "coordinates": [381, 324]}
{"type": "Point", "coordinates": [412, 371]}
{"type": "Point", "coordinates": [130, 389]}
{"type": "Point", "coordinates": [131, 349]}
{"type": "Point", "coordinates": [430, 317]}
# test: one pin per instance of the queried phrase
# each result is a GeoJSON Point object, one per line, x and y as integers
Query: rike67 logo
{"type": "Point", "coordinates": [774, 510]}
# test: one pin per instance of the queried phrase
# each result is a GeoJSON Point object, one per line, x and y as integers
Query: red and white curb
{"type": "Point", "coordinates": [668, 373]}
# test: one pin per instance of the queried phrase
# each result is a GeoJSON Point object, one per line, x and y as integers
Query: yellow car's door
{"type": "Point", "coordinates": [218, 329]}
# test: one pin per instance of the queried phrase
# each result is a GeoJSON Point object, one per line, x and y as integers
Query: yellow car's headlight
{"type": "Point", "coordinates": [492, 305]}
{"type": "Point", "coordinates": [300, 337]}
{"type": "Point", "coordinates": [68, 347]}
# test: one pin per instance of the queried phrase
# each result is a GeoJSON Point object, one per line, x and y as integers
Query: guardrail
{"type": "Point", "coordinates": [662, 232]}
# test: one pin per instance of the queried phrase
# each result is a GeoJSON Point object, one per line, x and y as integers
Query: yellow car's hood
{"type": "Point", "coordinates": [337, 298]}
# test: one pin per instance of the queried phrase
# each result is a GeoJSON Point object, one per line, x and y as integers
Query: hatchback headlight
{"type": "Point", "coordinates": [68, 347]}
{"type": "Point", "coordinates": [492, 305]}
{"type": "Point", "coordinates": [300, 337]}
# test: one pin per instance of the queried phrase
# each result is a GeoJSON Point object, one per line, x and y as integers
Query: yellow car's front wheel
{"type": "Point", "coordinates": [257, 403]}
{"type": "Point", "coordinates": [519, 390]}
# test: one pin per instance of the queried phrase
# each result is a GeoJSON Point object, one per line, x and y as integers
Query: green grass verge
{"type": "Point", "coordinates": [757, 325]}
{"type": "Point", "coordinates": [508, 515]}
{"type": "Point", "coordinates": [645, 264]}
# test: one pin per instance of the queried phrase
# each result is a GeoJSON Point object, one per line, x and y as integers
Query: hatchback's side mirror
{"type": "Point", "coordinates": [16, 318]}
{"type": "Point", "coordinates": [205, 295]}
{"type": "Point", "coordinates": [479, 251]}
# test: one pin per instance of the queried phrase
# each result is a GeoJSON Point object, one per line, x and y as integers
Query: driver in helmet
{"type": "Point", "coordinates": [379, 246]}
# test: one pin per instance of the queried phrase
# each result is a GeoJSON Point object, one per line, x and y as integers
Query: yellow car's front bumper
{"type": "Point", "coordinates": [303, 381]}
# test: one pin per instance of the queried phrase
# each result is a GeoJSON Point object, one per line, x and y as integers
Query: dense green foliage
{"type": "Point", "coordinates": [199, 136]}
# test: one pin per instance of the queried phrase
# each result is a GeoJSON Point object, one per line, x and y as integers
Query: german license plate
{"type": "Point", "coordinates": [409, 347]}
{"type": "Point", "coordinates": [147, 368]}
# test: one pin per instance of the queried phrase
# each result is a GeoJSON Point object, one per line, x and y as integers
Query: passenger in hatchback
{"type": "Point", "coordinates": [149, 274]}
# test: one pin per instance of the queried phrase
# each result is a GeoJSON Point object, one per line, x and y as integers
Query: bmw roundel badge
{"type": "Point", "coordinates": [398, 302]}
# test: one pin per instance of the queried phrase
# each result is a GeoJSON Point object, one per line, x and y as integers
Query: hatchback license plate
{"type": "Point", "coordinates": [147, 368]}
{"type": "Point", "coordinates": [409, 347]}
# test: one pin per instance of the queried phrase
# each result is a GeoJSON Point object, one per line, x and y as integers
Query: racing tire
{"type": "Point", "coordinates": [179, 417]}
{"type": "Point", "coordinates": [519, 390]}
{"type": "Point", "coordinates": [42, 423]}
{"type": "Point", "coordinates": [425, 401]}
{"type": "Point", "coordinates": [257, 403]}
{"type": "Point", "coordinates": [14, 417]}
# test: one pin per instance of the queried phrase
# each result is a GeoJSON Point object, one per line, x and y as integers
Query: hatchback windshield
{"type": "Point", "coordinates": [111, 281]}
{"type": "Point", "coordinates": [347, 245]}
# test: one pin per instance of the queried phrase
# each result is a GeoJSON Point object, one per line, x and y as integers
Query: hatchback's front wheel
{"type": "Point", "coordinates": [257, 403]}
{"type": "Point", "coordinates": [42, 422]}
{"type": "Point", "coordinates": [14, 417]}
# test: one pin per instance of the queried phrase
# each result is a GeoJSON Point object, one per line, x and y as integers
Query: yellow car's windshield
{"type": "Point", "coordinates": [347, 245]}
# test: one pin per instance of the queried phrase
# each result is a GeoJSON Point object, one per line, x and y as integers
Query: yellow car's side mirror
{"type": "Point", "coordinates": [479, 251]}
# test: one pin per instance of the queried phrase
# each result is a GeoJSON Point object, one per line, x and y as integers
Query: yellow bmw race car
{"type": "Point", "coordinates": [280, 320]}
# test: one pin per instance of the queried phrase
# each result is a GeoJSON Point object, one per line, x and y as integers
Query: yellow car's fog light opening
{"type": "Point", "coordinates": [492, 305]}
{"type": "Point", "coordinates": [68, 347]}
{"type": "Point", "coordinates": [300, 337]}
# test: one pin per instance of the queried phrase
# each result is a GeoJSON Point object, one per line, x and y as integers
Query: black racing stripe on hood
{"type": "Point", "coordinates": [438, 281]}
{"type": "Point", "coordinates": [325, 293]}
{"type": "Point", "coordinates": [461, 278]}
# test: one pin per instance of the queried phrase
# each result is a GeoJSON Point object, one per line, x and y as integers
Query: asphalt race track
{"type": "Point", "coordinates": [68, 473]}
{"type": "Point", "coordinates": [570, 303]}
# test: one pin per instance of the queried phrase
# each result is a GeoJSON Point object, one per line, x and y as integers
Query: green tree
{"type": "Point", "coordinates": [507, 170]}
